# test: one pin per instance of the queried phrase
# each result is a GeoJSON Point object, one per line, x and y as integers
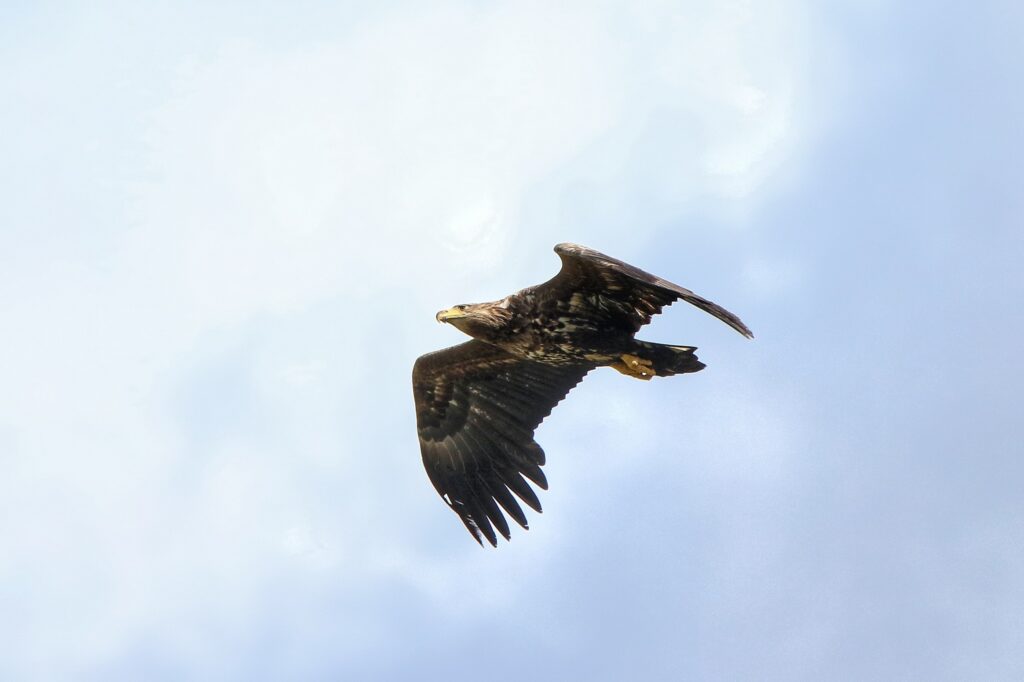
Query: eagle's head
{"type": "Point", "coordinates": [482, 321]}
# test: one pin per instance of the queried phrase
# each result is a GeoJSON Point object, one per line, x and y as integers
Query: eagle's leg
{"type": "Point", "coordinates": [634, 366]}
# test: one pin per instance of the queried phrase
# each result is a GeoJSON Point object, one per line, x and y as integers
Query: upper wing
{"type": "Point", "coordinates": [476, 410]}
{"type": "Point", "coordinates": [618, 293]}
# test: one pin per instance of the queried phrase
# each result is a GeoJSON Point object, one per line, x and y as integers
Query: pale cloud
{"type": "Point", "coordinates": [280, 177]}
{"type": "Point", "coordinates": [772, 277]}
{"type": "Point", "coordinates": [283, 191]}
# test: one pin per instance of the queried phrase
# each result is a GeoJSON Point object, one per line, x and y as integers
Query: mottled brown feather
{"type": "Point", "coordinates": [619, 292]}
{"type": "Point", "coordinates": [477, 407]}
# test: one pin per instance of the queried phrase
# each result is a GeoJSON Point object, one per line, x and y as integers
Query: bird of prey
{"type": "Point", "coordinates": [479, 403]}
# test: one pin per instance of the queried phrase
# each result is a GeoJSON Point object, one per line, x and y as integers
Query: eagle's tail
{"type": "Point", "coordinates": [666, 360]}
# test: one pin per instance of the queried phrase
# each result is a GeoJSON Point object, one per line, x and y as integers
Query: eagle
{"type": "Point", "coordinates": [479, 403]}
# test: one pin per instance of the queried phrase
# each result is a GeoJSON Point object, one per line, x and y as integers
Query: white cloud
{"type": "Point", "coordinates": [283, 191]}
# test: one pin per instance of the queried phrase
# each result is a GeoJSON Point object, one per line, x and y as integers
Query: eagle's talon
{"type": "Point", "coordinates": [634, 366]}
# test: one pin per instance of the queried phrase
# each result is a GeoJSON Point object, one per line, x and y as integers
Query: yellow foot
{"type": "Point", "coordinates": [634, 366]}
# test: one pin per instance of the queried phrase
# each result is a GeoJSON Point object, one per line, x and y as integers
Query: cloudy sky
{"type": "Point", "coordinates": [225, 229]}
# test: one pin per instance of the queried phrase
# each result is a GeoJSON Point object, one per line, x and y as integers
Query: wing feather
{"type": "Point", "coordinates": [621, 294]}
{"type": "Point", "coordinates": [477, 408]}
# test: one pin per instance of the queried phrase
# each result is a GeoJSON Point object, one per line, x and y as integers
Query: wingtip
{"type": "Point", "coordinates": [480, 537]}
{"type": "Point", "coordinates": [491, 538]}
{"type": "Point", "coordinates": [736, 323]}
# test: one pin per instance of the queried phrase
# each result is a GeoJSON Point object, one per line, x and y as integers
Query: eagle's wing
{"type": "Point", "coordinates": [618, 294]}
{"type": "Point", "coordinates": [476, 410]}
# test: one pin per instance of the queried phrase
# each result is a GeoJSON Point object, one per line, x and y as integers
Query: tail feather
{"type": "Point", "coordinates": [667, 360]}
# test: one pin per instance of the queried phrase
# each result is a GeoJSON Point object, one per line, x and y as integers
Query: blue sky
{"type": "Point", "coordinates": [224, 232]}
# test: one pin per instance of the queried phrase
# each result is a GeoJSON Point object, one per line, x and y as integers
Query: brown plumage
{"type": "Point", "coordinates": [479, 403]}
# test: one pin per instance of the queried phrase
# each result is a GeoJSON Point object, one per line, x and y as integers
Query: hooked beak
{"type": "Point", "coordinates": [450, 314]}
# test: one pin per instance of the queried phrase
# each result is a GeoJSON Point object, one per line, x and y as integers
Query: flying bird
{"type": "Point", "coordinates": [479, 403]}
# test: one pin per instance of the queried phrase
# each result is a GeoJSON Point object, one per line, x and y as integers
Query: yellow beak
{"type": "Point", "coordinates": [450, 314]}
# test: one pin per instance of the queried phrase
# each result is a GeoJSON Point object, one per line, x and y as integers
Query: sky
{"type": "Point", "coordinates": [225, 229]}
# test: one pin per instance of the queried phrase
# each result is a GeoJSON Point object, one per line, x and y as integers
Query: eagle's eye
{"type": "Point", "coordinates": [461, 307]}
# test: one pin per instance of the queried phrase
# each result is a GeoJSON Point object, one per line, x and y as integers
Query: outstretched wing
{"type": "Point", "coordinates": [617, 294]}
{"type": "Point", "coordinates": [476, 410]}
